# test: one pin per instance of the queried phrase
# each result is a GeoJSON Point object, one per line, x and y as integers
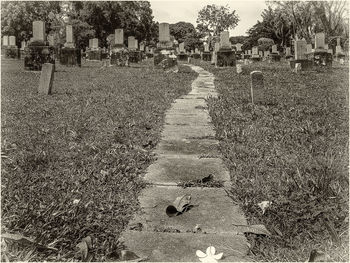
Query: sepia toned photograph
{"type": "Point", "coordinates": [175, 131]}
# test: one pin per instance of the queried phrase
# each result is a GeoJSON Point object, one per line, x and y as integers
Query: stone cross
{"type": "Point", "coordinates": [39, 31]}
{"type": "Point", "coordinates": [12, 40]}
{"type": "Point", "coordinates": [119, 36]}
{"type": "Point", "coordinates": [225, 39]}
{"type": "Point", "coordinates": [164, 33]}
{"type": "Point", "coordinates": [320, 41]}
{"type": "Point", "coordinates": [206, 48]}
{"type": "Point", "coordinates": [5, 40]}
{"type": "Point", "coordinates": [239, 47]}
{"type": "Point", "coordinates": [308, 48]}
{"type": "Point", "coordinates": [274, 49]}
{"type": "Point", "coordinates": [300, 49]}
{"type": "Point", "coordinates": [256, 84]}
{"type": "Point", "coordinates": [182, 47]}
{"type": "Point", "coordinates": [46, 79]}
{"type": "Point", "coordinates": [94, 43]}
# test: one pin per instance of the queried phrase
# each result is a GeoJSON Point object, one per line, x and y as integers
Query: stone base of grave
{"type": "Point", "coordinates": [339, 56]}
{"type": "Point", "coordinates": [289, 57]}
{"type": "Point", "coordinates": [239, 55]}
{"type": "Point", "coordinates": [182, 56]}
{"type": "Point", "coordinates": [226, 58]}
{"type": "Point", "coordinates": [275, 57]}
{"type": "Point", "coordinates": [196, 56]}
{"type": "Point", "coordinates": [305, 64]}
{"type": "Point", "coordinates": [322, 59]}
{"type": "Point", "coordinates": [94, 55]}
{"type": "Point", "coordinates": [35, 56]}
{"type": "Point", "coordinates": [255, 58]}
{"type": "Point", "coordinates": [206, 56]}
{"type": "Point", "coordinates": [134, 56]}
{"type": "Point", "coordinates": [120, 58]}
{"type": "Point", "coordinates": [70, 56]}
{"type": "Point", "coordinates": [104, 55]}
{"type": "Point", "coordinates": [246, 56]}
{"type": "Point", "coordinates": [164, 61]}
{"type": "Point", "coordinates": [149, 55]}
{"type": "Point", "coordinates": [12, 52]}
{"type": "Point", "coordinates": [21, 53]}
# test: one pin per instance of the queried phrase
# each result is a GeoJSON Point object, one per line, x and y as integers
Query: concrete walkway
{"type": "Point", "coordinates": [187, 152]}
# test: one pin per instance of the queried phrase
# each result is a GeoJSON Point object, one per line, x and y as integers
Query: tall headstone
{"type": "Point", "coordinates": [256, 85]}
{"type": "Point", "coordinates": [131, 42]}
{"type": "Point", "coordinates": [94, 43]}
{"type": "Point", "coordinates": [261, 54]}
{"type": "Point", "coordinates": [300, 49]}
{"type": "Point", "coordinates": [225, 40]}
{"type": "Point", "coordinates": [23, 44]}
{"type": "Point", "coordinates": [196, 51]}
{"type": "Point", "coordinates": [51, 40]}
{"type": "Point", "coordinates": [164, 33]}
{"type": "Point", "coordinates": [309, 48]}
{"type": "Point", "coordinates": [182, 47]}
{"type": "Point", "coordinates": [217, 46]}
{"type": "Point", "coordinates": [320, 41]}
{"type": "Point", "coordinates": [338, 50]}
{"type": "Point", "coordinates": [119, 36]}
{"type": "Point", "coordinates": [255, 51]}
{"type": "Point", "coordinates": [136, 44]}
{"type": "Point", "coordinates": [206, 48]}
{"type": "Point", "coordinates": [5, 41]}
{"type": "Point", "coordinates": [69, 34]}
{"type": "Point", "coordinates": [39, 31]}
{"type": "Point", "coordinates": [288, 52]}
{"type": "Point", "coordinates": [249, 52]}
{"type": "Point", "coordinates": [12, 40]}
{"type": "Point", "coordinates": [142, 46]}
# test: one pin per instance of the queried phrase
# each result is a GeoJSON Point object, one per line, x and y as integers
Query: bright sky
{"type": "Point", "coordinates": [172, 12]}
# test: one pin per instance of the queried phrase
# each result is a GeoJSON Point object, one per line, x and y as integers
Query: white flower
{"type": "Point", "coordinates": [209, 256]}
{"type": "Point", "coordinates": [264, 205]}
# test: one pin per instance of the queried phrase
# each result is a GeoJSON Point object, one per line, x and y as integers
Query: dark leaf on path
{"type": "Point", "coordinates": [181, 204]}
{"type": "Point", "coordinates": [254, 229]}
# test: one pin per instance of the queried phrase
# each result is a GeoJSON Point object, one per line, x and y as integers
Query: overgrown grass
{"type": "Point", "coordinates": [71, 162]}
{"type": "Point", "coordinates": [291, 149]}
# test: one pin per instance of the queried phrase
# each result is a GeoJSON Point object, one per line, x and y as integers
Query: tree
{"type": "Point", "coordinates": [186, 32]}
{"type": "Point", "coordinates": [212, 19]}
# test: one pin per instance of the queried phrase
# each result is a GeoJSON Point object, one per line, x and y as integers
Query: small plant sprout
{"type": "Point", "coordinates": [209, 256]}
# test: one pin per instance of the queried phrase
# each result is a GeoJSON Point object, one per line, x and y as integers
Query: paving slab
{"type": "Point", "coordinates": [171, 170]}
{"type": "Point", "coordinates": [201, 118]}
{"type": "Point", "coordinates": [200, 147]}
{"type": "Point", "coordinates": [182, 247]}
{"type": "Point", "coordinates": [188, 103]}
{"type": "Point", "coordinates": [178, 132]}
{"type": "Point", "coordinates": [213, 211]}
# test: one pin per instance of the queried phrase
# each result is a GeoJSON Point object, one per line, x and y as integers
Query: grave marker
{"type": "Point", "coordinates": [206, 48]}
{"type": "Point", "coordinates": [164, 33]}
{"type": "Point", "coordinates": [94, 43]}
{"type": "Point", "coordinates": [39, 31]}
{"type": "Point", "coordinates": [249, 52]}
{"type": "Point", "coordinates": [320, 41]}
{"type": "Point", "coordinates": [119, 36]}
{"type": "Point", "coordinates": [288, 52]}
{"type": "Point", "coordinates": [338, 50]}
{"type": "Point", "coordinates": [182, 47]}
{"type": "Point", "coordinates": [217, 46]}
{"type": "Point", "coordinates": [239, 47]}
{"type": "Point", "coordinates": [225, 40]}
{"type": "Point", "coordinates": [90, 43]}
{"type": "Point", "coordinates": [300, 49]}
{"type": "Point", "coordinates": [46, 79]}
{"type": "Point", "coordinates": [5, 41]}
{"type": "Point", "coordinates": [69, 34]}
{"type": "Point", "coordinates": [309, 48]}
{"type": "Point", "coordinates": [256, 85]}
{"type": "Point", "coordinates": [326, 46]}
{"type": "Point", "coordinates": [131, 42]}
{"type": "Point", "coordinates": [274, 49]}
{"type": "Point", "coordinates": [23, 45]}
{"type": "Point", "coordinates": [12, 40]}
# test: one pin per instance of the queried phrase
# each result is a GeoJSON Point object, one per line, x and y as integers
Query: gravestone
{"type": "Point", "coordinates": [164, 32]}
{"type": "Point", "coordinates": [300, 56]}
{"type": "Point", "coordinates": [164, 56]}
{"type": "Point", "coordinates": [51, 40]}
{"type": "Point", "coordinates": [309, 48]}
{"type": "Point", "coordinates": [23, 44]}
{"type": "Point", "coordinates": [22, 49]}
{"type": "Point", "coordinates": [95, 52]}
{"type": "Point", "coordinates": [275, 56]}
{"type": "Point", "coordinates": [182, 47]}
{"type": "Point", "coordinates": [46, 79]}
{"type": "Point", "coordinates": [215, 53]}
{"type": "Point", "coordinates": [256, 86]}
{"type": "Point", "coordinates": [288, 52]}
{"type": "Point", "coordinates": [182, 55]}
{"type": "Point", "coordinates": [119, 37]}
{"type": "Point", "coordinates": [5, 41]}
{"type": "Point", "coordinates": [39, 31]}
{"type": "Point", "coordinates": [119, 55]}
{"type": "Point", "coordinates": [95, 43]}
{"type": "Point", "coordinates": [142, 46]}
{"type": "Point", "coordinates": [225, 56]}
{"type": "Point", "coordinates": [239, 47]}
{"type": "Point", "coordinates": [249, 52]}
{"type": "Point", "coordinates": [196, 54]}
{"type": "Point", "coordinates": [206, 56]}
{"type": "Point", "coordinates": [38, 51]}
{"type": "Point", "coordinates": [274, 49]}
{"type": "Point", "coordinates": [298, 67]}
{"type": "Point", "coordinates": [70, 55]}
{"type": "Point", "coordinates": [131, 42]}
{"type": "Point", "coordinates": [326, 46]}
{"type": "Point", "coordinates": [12, 40]}
{"type": "Point", "coordinates": [319, 41]}
{"type": "Point", "coordinates": [255, 54]}
{"type": "Point", "coordinates": [134, 53]}
{"type": "Point", "coordinates": [90, 43]}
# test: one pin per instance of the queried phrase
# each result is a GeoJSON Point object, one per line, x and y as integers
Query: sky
{"type": "Point", "coordinates": [172, 12]}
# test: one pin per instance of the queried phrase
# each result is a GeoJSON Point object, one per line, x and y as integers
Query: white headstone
{"type": "Point", "coordinates": [196, 51]}
{"type": "Point", "coordinates": [308, 48]}
{"type": "Point", "coordinates": [23, 44]}
{"type": "Point", "coordinates": [90, 43]}
{"type": "Point", "coordinates": [217, 46]}
{"type": "Point", "coordinates": [119, 36]}
{"type": "Point", "coordinates": [69, 34]}
{"type": "Point", "coordinates": [12, 40]}
{"type": "Point", "coordinates": [136, 43]}
{"type": "Point", "coordinates": [338, 50]}
{"type": "Point", "coordinates": [5, 40]}
{"type": "Point", "coordinates": [255, 51]}
{"type": "Point", "coordinates": [164, 33]}
{"type": "Point", "coordinates": [288, 52]}
{"type": "Point", "coordinates": [94, 43]}
{"type": "Point", "coordinates": [300, 49]}
{"type": "Point", "coordinates": [274, 49]}
{"type": "Point", "coordinates": [182, 47]}
{"type": "Point", "coordinates": [326, 46]}
{"type": "Point", "coordinates": [249, 52]}
{"type": "Point", "coordinates": [206, 48]}
{"type": "Point", "coordinates": [142, 46]}
{"type": "Point", "coordinates": [320, 41]}
{"type": "Point", "coordinates": [330, 51]}
{"type": "Point", "coordinates": [39, 31]}
{"type": "Point", "coordinates": [225, 39]}
{"type": "Point", "coordinates": [131, 42]}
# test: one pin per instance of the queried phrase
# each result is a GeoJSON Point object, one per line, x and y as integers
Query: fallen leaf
{"type": "Point", "coordinates": [181, 204]}
{"type": "Point", "coordinates": [83, 249]}
{"type": "Point", "coordinates": [127, 255]}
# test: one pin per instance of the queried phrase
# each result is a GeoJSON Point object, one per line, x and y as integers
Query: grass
{"type": "Point", "coordinates": [71, 162]}
{"type": "Point", "coordinates": [291, 148]}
